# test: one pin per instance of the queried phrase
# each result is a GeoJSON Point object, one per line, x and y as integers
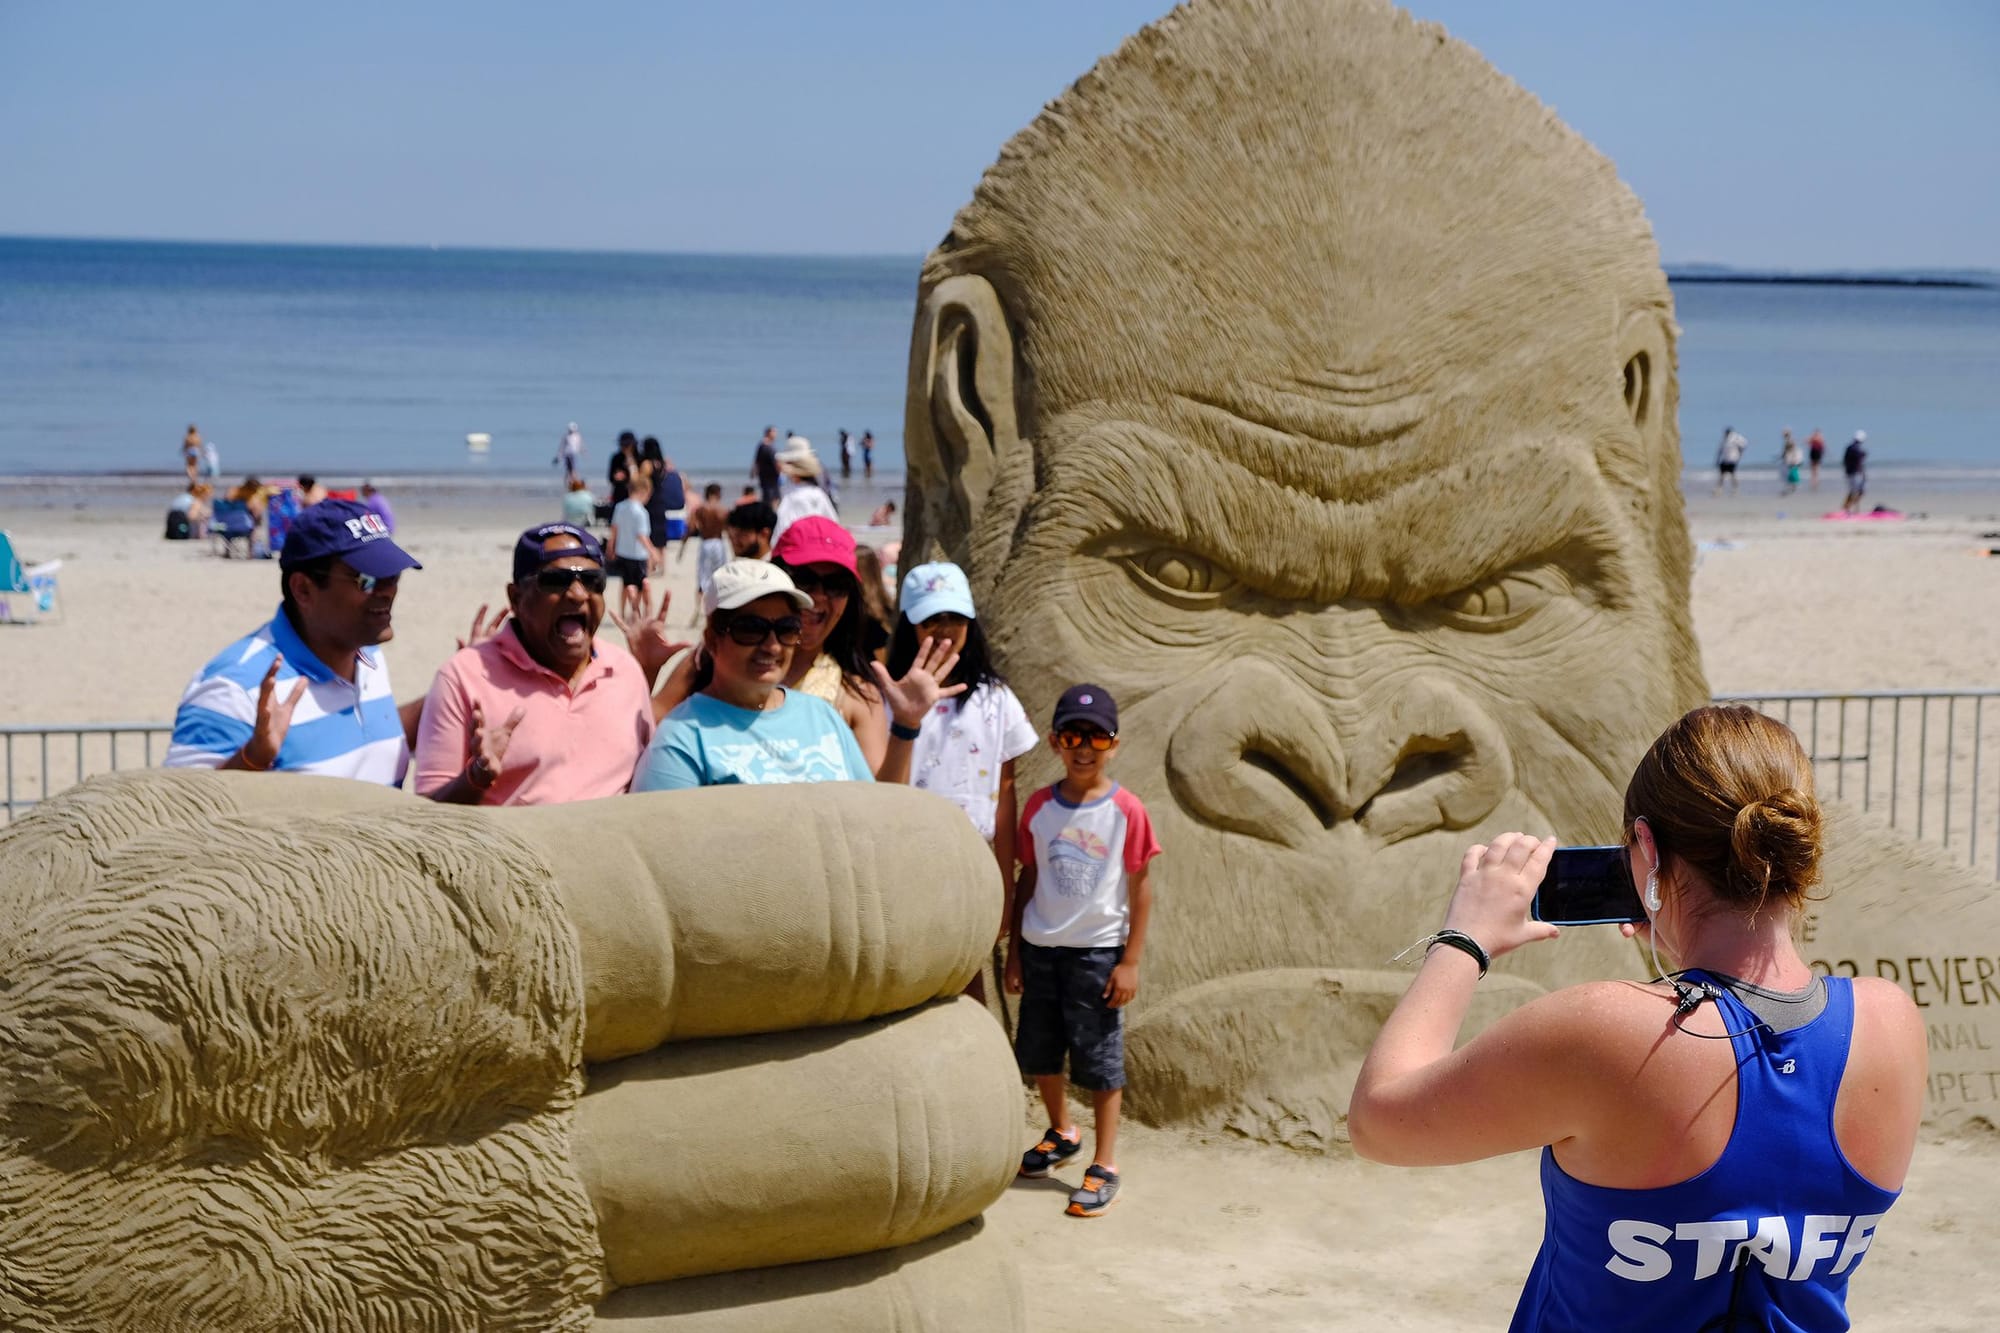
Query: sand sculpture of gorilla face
{"type": "Point", "coordinates": [1310, 386]}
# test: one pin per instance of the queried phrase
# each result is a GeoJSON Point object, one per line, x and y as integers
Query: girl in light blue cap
{"type": "Point", "coordinates": [966, 742]}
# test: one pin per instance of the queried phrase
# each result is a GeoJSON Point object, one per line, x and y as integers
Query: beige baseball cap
{"type": "Point", "coordinates": [741, 582]}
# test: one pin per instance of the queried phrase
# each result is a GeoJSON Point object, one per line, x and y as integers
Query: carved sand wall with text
{"type": "Point", "coordinates": [1308, 384]}
{"type": "Point", "coordinates": [307, 1054]}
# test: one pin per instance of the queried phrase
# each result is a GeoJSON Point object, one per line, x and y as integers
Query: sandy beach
{"type": "Point", "coordinates": [1211, 1232]}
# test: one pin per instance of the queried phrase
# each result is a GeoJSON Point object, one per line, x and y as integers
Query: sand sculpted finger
{"type": "Point", "coordinates": [306, 1054]}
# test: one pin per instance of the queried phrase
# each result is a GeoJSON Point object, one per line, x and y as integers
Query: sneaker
{"type": "Point", "coordinates": [1099, 1192]}
{"type": "Point", "coordinates": [1050, 1153]}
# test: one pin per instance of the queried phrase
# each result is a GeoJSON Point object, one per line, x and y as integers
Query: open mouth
{"type": "Point", "coordinates": [572, 629]}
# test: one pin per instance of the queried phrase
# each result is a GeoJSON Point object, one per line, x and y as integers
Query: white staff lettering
{"type": "Point", "coordinates": [1641, 1250]}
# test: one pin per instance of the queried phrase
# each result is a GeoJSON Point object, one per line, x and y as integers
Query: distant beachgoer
{"type": "Point", "coordinates": [632, 549]}
{"type": "Point", "coordinates": [740, 724]}
{"type": "Point", "coordinates": [542, 711]}
{"type": "Point", "coordinates": [191, 453]}
{"type": "Point", "coordinates": [569, 453]}
{"type": "Point", "coordinates": [199, 512]}
{"type": "Point", "coordinates": [846, 455]}
{"type": "Point", "coordinates": [1854, 462]}
{"type": "Point", "coordinates": [884, 515]}
{"type": "Point", "coordinates": [1789, 458]}
{"type": "Point", "coordinates": [624, 466]}
{"type": "Point", "coordinates": [310, 491]}
{"type": "Point", "coordinates": [750, 525]}
{"type": "Point", "coordinates": [710, 522]}
{"type": "Point", "coordinates": [1815, 452]}
{"type": "Point", "coordinates": [666, 509]}
{"type": "Point", "coordinates": [378, 505]}
{"type": "Point", "coordinates": [305, 693]}
{"type": "Point", "coordinates": [211, 461]}
{"type": "Point", "coordinates": [579, 506]}
{"type": "Point", "coordinates": [749, 494]}
{"type": "Point", "coordinates": [805, 496]}
{"type": "Point", "coordinates": [764, 467]}
{"type": "Point", "coordinates": [1727, 456]}
{"type": "Point", "coordinates": [868, 454]}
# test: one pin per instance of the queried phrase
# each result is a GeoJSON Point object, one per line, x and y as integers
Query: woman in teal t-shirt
{"type": "Point", "coordinates": [741, 724]}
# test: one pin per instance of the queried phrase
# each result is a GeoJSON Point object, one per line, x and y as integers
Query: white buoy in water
{"type": "Point", "coordinates": [478, 443]}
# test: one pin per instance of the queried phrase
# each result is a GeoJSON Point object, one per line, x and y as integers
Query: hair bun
{"type": "Point", "coordinates": [1774, 845]}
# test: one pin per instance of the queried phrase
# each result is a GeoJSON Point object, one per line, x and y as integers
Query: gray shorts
{"type": "Point", "coordinates": [1064, 1012]}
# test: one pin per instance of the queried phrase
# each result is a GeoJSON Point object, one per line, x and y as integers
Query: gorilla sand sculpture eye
{"type": "Point", "coordinates": [1308, 289]}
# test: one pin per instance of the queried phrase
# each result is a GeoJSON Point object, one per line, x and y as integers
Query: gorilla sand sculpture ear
{"type": "Point", "coordinates": [308, 1054]}
{"type": "Point", "coordinates": [1345, 456]}
{"type": "Point", "coordinates": [963, 355]}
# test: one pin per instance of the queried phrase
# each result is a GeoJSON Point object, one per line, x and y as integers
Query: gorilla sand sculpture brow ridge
{"type": "Point", "coordinates": [1312, 386]}
{"type": "Point", "coordinates": [398, 1066]}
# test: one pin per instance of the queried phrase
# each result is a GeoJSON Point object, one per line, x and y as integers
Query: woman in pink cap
{"type": "Point", "coordinates": [819, 555]}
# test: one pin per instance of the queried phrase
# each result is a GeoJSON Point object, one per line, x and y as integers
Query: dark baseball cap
{"type": "Point", "coordinates": [531, 551]}
{"type": "Point", "coordinates": [1088, 703]}
{"type": "Point", "coordinates": [350, 530]}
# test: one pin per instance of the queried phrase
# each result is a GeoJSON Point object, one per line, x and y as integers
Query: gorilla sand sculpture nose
{"type": "Point", "coordinates": [1265, 757]}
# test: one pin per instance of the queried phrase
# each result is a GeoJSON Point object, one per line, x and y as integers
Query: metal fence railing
{"type": "Point", "coordinates": [1915, 757]}
{"type": "Point", "coordinates": [40, 761]}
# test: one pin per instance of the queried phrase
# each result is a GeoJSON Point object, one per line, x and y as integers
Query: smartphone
{"type": "Point", "coordinates": [1588, 886]}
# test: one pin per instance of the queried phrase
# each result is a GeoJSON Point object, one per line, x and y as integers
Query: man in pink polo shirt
{"type": "Point", "coordinates": [541, 712]}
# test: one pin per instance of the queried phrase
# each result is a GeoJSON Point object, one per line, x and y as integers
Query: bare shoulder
{"type": "Point", "coordinates": [1886, 1011]}
{"type": "Point", "coordinates": [1589, 1026]}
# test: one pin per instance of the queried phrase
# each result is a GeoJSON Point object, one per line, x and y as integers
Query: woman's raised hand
{"type": "Point", "coordinates": [1496, 888]}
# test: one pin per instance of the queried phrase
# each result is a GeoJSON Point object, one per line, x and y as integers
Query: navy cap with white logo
{"type": "Point", "coordinates": [1087, 703]}
{"type": "Point", "coordinates": [350, 530]}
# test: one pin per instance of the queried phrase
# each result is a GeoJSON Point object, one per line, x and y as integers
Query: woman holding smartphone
{"type": "Point", "coordinates": [1719, 1145]}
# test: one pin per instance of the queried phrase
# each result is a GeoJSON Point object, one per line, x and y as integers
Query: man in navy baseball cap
{"type": "Point", "coordinates": [349, 531]}
{"type": "Point", "coordinates": [305, 693]}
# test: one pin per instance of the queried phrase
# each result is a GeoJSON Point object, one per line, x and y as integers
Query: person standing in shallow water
{"type": "Point", "coordinates": [1816, 454]}
{"type": "Point", "coordinates": [1718, 1145]}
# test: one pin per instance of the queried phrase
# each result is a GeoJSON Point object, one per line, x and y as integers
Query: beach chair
{"type": "Point", "coordinates": [37, 583]}
{"type": "Point", "coordinates": [229, 522]}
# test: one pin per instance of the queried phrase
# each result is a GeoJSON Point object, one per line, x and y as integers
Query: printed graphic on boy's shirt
{"type": "Point", "coordinates": [1076, 859]}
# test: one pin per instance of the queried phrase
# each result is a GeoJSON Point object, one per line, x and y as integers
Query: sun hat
{"type": "Point", "coordinates": [350, 530]}
{"type": "Point", "coordinates": [531, 550]}
{"type": "Point", "coordinates": [741, 582]}
{"type": "Point", "coordinates": [933, 589]}
{"type": "Point", "coordinates": [798, 456]}
{"type": "Point", "coordinates": [815, 539]}
{"type": "Point", "coordinates": [1087, 703]}
{"type": "Point", "coordinates": [1861, 436]}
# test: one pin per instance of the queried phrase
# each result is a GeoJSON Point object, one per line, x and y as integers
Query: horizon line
{"type": "Point", "coordinates": [1690, 268]}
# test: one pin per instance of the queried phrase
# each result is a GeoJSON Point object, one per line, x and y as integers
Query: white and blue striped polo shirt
{"type": "Point", "coordinates": [339, 729]}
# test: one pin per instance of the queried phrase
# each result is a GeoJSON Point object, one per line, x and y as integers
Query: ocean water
{"type": "Point", "coordinates": [345, 361]}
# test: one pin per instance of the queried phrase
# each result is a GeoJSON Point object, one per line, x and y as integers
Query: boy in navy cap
{"type": "Point", "coordinates": [304, 693]}
{"type": "Point", "coordinates": [1081, 907]}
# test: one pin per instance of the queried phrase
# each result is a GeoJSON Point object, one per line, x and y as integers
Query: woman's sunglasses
{"type": "Point", "coordinates": [1076, 740]}
{"type": "Point", "coordinates": [834, 585]}
{"type": "Point", "coordinates": [749, 631]}
{"type": "Point", "coordinates": [557, 579]}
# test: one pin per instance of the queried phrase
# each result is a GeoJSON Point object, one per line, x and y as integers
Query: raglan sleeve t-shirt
{"type": "Point", "coordinates": [1085, 856]}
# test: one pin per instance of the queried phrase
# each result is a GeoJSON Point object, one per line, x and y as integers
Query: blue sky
{"type": "Point", "coordinates": [1785, 133]}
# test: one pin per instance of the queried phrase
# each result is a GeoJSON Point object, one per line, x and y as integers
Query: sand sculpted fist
{"type": "Point", "coordinates": [301, 1053]}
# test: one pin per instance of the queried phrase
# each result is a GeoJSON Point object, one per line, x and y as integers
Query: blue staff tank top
{"type": "Point", "coordinates": [1775, 1226]}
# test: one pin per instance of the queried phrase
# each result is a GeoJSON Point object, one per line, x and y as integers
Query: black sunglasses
{"type": "Point", "coordinates": [555, 578]}
{"type": "Point", "coordinates": [749, 631]}
{"type": "Point", "coordinates": [837, 584]}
